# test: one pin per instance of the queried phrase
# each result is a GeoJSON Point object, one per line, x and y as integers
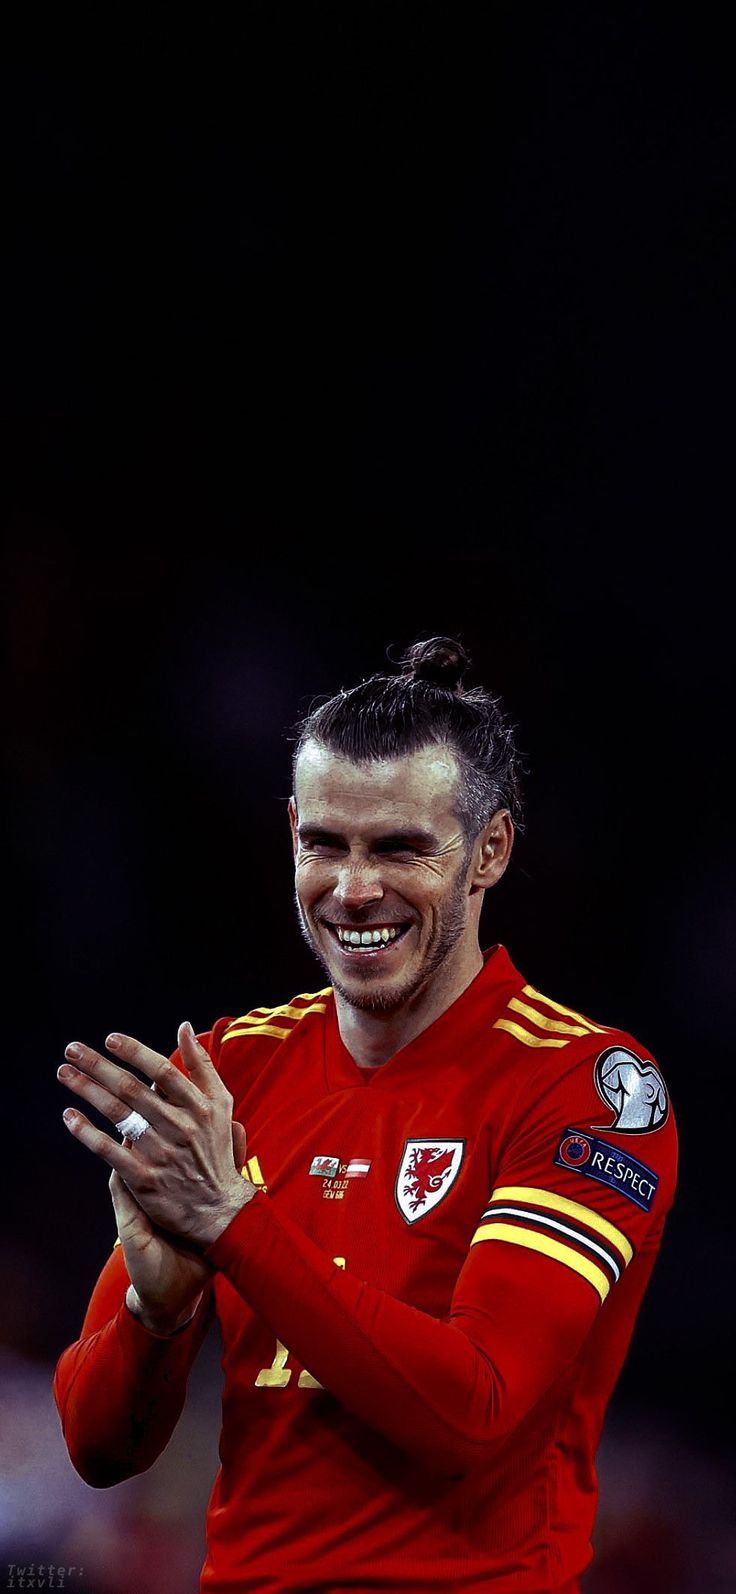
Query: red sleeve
{"type": "Point", "coordinates": [593, 1168]}
{"type": "Point", "coordinates": [120, 1388]}
{"type": "Point", "coordinates": [446, 1390]}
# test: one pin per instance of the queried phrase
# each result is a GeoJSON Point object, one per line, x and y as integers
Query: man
{"type": "Point", "coordinates": [428, 1258]}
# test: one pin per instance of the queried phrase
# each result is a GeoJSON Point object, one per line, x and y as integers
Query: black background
{"type": "Point", "coordinates": [325, 328]}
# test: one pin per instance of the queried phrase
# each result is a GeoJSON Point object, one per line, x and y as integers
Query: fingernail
{"type": "Point", "coordinates": [114, 1040]}
{"type": "Point", "coordinates": [72, 1050]}
{"type": "Point", "coordinates": [187, 1026]}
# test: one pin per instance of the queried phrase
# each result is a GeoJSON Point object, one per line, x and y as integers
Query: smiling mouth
{"type": "Point", "coordinates": [376, 941]}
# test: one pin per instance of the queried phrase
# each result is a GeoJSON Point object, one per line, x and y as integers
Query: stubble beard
{"type": "Point", "coordinates": [449, 927]}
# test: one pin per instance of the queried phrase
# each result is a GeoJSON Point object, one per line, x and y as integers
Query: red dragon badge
{"type": "Point", "coordinates": [427, 1170]}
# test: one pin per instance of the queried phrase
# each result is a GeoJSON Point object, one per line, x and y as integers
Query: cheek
{"type": "Point", "coordinates": [310, 880]}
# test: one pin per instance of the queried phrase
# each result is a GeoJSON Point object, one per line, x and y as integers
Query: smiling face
{"type": "Point", "coordinates": [383, 873]}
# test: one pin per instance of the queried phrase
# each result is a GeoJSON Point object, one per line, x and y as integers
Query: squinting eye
{"type": "Point", "coordinates": [402, 853]}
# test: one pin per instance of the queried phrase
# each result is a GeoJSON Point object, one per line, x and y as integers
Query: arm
{"type": "Point", "coordinates": [120, 1388]}
{"type": "Point", "coordinates": [446, 1391]}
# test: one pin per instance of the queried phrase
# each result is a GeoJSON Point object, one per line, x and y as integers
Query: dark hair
{"type": "Point", "coordinates": [387, 716]}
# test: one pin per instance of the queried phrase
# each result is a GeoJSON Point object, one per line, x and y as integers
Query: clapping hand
{"type": "Point", "coordinates": [175, 1187]}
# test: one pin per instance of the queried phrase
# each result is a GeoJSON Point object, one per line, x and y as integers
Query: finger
{"type": "Point", "coordinates": [123, 1084]}
{"type": "Point", "coordinates": [127, 1210]}
{"type": "Point", "coordinates": [113, 1107]}
{"type": "Point", "coordinates": [198, 1061]}
{"type": "Point", "coordinates": [102, 1145]}
{"type": "Point", "coordinates": [239, 1144]}
{"type": "Point", "coordinates": [175, 1085]}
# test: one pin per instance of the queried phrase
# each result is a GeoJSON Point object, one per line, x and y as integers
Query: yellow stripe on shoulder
{"type": "Point", "coordinates": [555, 1025]}
{"type": "Point", "coordinates": [573, 1209]}
{"type": "Point", "coordinates": [261, 1015]}
{"type": "Point", "coordinates": [257, 1029]}
{"type": "Point", "coordinates": [525, 1035]}
{"type": "Point", "coordinates": [548, 1247]}
{"type": "Point", "coordinates": [270, 1020]}
{"type": "Point", "coordinates": [569, 1012]}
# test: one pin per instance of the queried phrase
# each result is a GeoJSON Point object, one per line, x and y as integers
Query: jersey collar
{"type": "Point", "coordinates": [456, 1032]}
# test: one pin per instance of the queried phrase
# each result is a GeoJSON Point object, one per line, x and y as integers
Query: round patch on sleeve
{"type": "Point", "coordinates": [634, 1090]}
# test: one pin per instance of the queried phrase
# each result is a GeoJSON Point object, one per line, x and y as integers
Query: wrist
{"type": "Point", "coordinates": [241, 1194]}
{"type": "Point", "coordinates": [160, 1323]}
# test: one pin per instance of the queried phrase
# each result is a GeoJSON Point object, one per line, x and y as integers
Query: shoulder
{"type": "Point", "coordinates": [274, 1023]}
{"type": "Point", "coordinates": [595, 1102]}
{"type": "Point", "coordinates": [568, 1045]}
{"type": "Point", "coordinates": [240, 1047]}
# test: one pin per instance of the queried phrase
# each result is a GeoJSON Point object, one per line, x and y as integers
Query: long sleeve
{"type": "Point", "coordinates": [120, 1389]}
{"type": "Point", "coordinates": [442, 1390]}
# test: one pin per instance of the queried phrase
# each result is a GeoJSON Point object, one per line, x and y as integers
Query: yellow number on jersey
{"type": "Point", "coordinates": [278, 1374]}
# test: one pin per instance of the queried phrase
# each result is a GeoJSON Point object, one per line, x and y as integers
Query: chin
{"type": "Point", "coordinates": [379, 995]}
{"type": "Point", "coordinates": [372, 1000]}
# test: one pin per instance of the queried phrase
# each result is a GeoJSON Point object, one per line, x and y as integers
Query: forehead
{"type": "Point", "coordinates": [418, 788]}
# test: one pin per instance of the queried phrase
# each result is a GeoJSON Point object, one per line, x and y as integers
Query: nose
{"type": "Point", "coordinates": [358, 884]}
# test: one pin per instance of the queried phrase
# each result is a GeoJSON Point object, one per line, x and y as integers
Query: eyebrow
{"type": "Point", "coordinates": [393, 838]}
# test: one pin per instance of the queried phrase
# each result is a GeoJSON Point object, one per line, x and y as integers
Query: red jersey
{"type": "Point", "coordinates": [424, 1308]}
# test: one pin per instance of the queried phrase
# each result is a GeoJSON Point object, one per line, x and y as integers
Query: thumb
{"type": "Point", "coordinates": [128, 1213]}
{"type": "Point", "coordinates": [239, 1144]}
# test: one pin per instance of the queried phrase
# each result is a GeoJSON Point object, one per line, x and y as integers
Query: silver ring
{"type": "Point", "coordinates": [133, 1126]}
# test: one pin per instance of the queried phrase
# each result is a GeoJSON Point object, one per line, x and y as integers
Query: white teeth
{"type": "Point", "coordinates": [367, 937]}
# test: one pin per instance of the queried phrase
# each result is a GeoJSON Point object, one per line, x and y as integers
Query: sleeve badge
{"type": "Point", "coordinates": [634, 1090]}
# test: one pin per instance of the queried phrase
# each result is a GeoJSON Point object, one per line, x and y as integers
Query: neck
{"type": "Point", "coordinates": [372, 1038]}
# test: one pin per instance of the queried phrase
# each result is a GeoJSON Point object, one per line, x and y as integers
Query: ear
{"type": "Point", "coordinates": [293, 821]}
{"type": "Point", "coordinates": [491, 851]}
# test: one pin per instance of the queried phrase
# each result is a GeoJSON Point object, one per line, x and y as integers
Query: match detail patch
{"type": "Point", "coordinates": [324, 1167]}
{"type": "Point", "coordinates": [596, 1159]}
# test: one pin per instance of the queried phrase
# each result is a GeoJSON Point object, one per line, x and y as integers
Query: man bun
{"type": "Point", "coordinates": [441, 661]}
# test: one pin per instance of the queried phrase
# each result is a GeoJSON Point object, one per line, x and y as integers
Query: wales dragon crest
{"type": "Point", "coordinates": [427, 1170]}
